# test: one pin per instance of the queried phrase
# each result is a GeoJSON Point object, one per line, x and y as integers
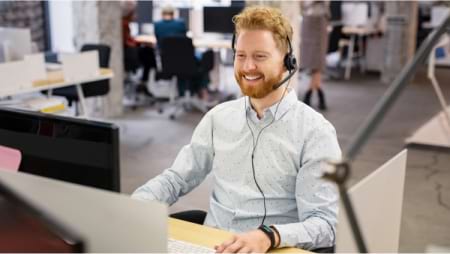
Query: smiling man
{"type": "Point", "coordinates": [266, 151]}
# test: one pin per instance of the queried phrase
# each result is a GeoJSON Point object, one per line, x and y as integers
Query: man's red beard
{"type": "Point", "coordinates": [260, 90]}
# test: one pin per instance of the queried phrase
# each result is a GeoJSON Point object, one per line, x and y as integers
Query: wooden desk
{"type": "Point", "coordinates": [147, 39]}
{"type": "Point", "coordinates": [207, 236]}
{"type": "Point", "coordinates": [55, 79]}
{"type": "Point", "coordinates": [356, 33]}
{"type": "Point", "coordinates": [197, 42]}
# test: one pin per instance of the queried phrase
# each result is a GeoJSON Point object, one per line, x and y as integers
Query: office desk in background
{"type": "Point", "coordinates": [55, 79]}
{"type": "Point", "coordinates": [356, 34]}
{"type": "Point", "coordinates": [197, 42]}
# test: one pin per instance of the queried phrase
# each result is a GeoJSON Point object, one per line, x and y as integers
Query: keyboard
{"type": "Point", "coordinates": [177, 246]}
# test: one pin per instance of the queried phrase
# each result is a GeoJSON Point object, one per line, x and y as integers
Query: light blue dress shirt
{"type": "Point", "coordinates": [289, 161]}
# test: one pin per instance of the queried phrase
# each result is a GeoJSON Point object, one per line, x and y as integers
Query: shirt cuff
{"type": "Point", "coordinates": [292, 235]}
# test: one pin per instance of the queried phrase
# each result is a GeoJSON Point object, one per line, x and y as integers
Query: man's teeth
{"type": "Point", "coordinates": [252, 77]}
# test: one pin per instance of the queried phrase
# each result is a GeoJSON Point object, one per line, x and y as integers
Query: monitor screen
{"type": "Point", "coordinates": [144, 13]}
{"type": "Point", "coordinates": [183, 14]}
{"type": "Point", "coordinates": [25, 229]}
{"type": "Point", "coordinates": [219, 19]}
{"type": "Point", "coordinates": [65, 148]}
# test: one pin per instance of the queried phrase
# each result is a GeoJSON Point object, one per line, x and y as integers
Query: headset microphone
{"type": "Point", "coordinates": [289, 76]}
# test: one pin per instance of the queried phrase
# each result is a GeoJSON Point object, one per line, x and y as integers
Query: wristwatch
{"type": "Point", "coordinates": [269, 232]}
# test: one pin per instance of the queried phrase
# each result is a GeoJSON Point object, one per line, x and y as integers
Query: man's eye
{"type": "Point", "coordinates": [240, 56]}
{"type": "Point", "coordinates": [260, 57]}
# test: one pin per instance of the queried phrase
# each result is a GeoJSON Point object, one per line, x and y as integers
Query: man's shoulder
{"type": "Point", "coordinates": [228, 107]}
{"type": "Point", "coordinates": [310, 117]}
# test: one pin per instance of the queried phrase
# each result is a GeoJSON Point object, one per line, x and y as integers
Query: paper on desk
{"type": "Point", "coordinates": [46, 105]}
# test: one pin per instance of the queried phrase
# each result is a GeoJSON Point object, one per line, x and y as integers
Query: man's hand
{"type": "Point", "coordinates": [250, 242]}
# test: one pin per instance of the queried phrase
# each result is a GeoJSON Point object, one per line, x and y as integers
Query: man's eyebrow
{"type": "Point", "coordinates": [255, 52]}
{"type": "Point", "coordinates": [262, 52]}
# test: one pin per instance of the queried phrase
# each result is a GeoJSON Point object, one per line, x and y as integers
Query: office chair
{"type": "Point", "coordinates": [90, 89]}
{"type": "Point", "coordinates": [194, 216]}
{"type": "Point", "coordinates": [134, 87]}
{"type": "Point", "coordinates": [179, 64]}
{"type": "Point", "coordinates": [207, 61]}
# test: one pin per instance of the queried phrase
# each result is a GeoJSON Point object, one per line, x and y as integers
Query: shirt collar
{"type": "Point", "coordinates": [288, 100]}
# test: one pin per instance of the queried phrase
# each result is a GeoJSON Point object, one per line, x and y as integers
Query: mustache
{"type": "Point", "coordinates": [250, 74]}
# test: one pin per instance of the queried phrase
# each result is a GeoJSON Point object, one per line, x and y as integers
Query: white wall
{"type": "Point", "coordinates": [61, 26]}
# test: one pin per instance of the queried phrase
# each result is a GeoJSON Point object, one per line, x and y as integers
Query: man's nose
{"type": "Point", "coordinates": [249, 64]}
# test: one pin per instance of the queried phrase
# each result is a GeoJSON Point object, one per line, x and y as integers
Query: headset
{"type": "Point", "coordinates": [291, 65]}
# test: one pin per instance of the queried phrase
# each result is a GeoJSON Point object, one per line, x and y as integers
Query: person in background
{"type": "Point", "coordinates": [169, 26]}
{"type": "Point", "coordinates": [266, 152]}
{"type": "Point", "coordinates": [135, 54]}
{"type": "Point", "coordinates": [314, 46]}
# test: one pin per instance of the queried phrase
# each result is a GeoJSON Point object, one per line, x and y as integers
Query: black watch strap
{"type": "Point", "coordinates": [269, 232]}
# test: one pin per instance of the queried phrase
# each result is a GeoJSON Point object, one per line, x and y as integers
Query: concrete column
{"type": "Point", "coordinates": [100, 22]}
{"type": "Point", "coordinates": [400, 37]}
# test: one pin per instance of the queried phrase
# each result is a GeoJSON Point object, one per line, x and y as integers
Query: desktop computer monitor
{"type": "Point", "coordinates": [218, 19]}
{"type": "Point", "coordinates": [74, 150]}
{"type": "Point", "coordinates": [25, 228]}
{"type": "Point", "coordinates": [377, 200]}
{"type": "Point", "coordinates": [183, 14]}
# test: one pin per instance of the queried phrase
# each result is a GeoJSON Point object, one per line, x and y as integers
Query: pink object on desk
{"type": "Point", "coordinates": [10, 158]}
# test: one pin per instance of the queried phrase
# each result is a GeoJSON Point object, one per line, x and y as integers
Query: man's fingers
{"type": "Point", "coordinates": [245, 249]}
{"type": "Point", "coordinates": [235, 247]}
{"type": "Point", "coordinates": [225, 244]}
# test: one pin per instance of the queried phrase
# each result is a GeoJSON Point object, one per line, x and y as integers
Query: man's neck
{"type": "Point", "coordinates": [260, 105]}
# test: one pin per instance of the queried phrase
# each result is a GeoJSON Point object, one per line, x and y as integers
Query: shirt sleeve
{"type": "Point", "coordinates": [191, 166]}
{"type": "Point", "coordinates": [317, 199]}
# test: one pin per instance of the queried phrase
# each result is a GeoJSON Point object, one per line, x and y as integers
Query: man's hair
{"type": "Point", "coordinates": [265, 18]}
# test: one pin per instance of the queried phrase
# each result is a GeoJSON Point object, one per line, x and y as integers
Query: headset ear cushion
{"type": "Point", "coordinates": [290, 62]}
{"type": "Point", "coordinates": [293, 62]}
